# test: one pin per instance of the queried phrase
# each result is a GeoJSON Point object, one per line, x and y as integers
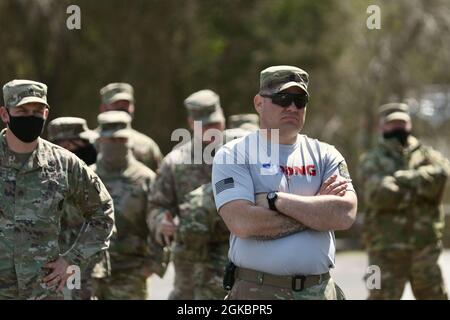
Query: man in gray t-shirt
{"type": "Point", "coordinates": [282, 199]}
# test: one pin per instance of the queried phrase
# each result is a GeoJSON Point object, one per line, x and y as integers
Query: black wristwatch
{"type": "Point", "coordinates": [271, 198]}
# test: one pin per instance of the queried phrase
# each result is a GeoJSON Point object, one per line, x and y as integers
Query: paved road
{"type": "Point", "coordinates": [349, 271]}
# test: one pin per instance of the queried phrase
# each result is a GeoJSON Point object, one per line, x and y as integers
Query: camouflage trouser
{"type": "Point", "coordinates": [12, 293]}
{"type": "Point", "coordinates": [32, 288]}
{"type": "Point", "coordinates": [208, 282]}
{"type": "Point", "coordinates": [418, 266]}
{"type": "Point", "coordinates": [183, 286]}
{"type": "Point", "coordinates": [246, 290]}
{"type": "Point", "coordinates": [121, 285]}
{"type": "Point", "coordinates": [86, 291]}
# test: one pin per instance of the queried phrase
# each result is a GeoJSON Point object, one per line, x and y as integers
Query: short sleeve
{"type": "Point", "coordinates": [336, 164]}
{"type": "Point", "coordinates": [230, 181]}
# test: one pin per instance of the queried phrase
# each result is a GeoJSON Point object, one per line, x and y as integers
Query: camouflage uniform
{"type": "Point", "coordinates": [144, 148]}
{"type": "Point", "coordinates": [68, 128]}
{"type": "Point", "coordinates": [176, 177]}
{"type": "Point", "coordinates": [32, 199]}
{"type": "Point", "coordinates": [246, 121]}
{"type": "Point", "coordinates": [403, 187]}
{"type": "Point", "coordinates": [206, 237]}
{"type": "Point", "coordinates": [246, 290]}
{"type": "Point", "coordinates": [133, 254]}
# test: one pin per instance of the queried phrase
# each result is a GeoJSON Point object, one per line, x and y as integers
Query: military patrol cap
{"type": "Point", "coordinates": [394, 111]}
{"type": "Point", "coordinates": [114, 124]}
{"type": "Point", "coordinates": [66, 128]}
{"type": "Point", "coordinates": [204, 105]}
{"type": "Point", "coordinates": [246, 121]}
{"type": "Point", "coordinates": [20, 92]}
{"type": "Point", "coordinates": [278, 78]}
{"type": "Point", "coordinates": [117, 91]}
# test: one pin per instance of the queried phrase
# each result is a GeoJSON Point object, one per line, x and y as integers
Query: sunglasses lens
{"type": "Point", "coordinates": [286, 99]}
{"type": "Point", "coordinates": [281, 100]}
{"type": "Point", "coordinates": [301, 101]}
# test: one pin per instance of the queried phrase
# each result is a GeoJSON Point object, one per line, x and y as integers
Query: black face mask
{"type": "Point", "coordinates": [400, 134]}
{"type": "Point", "coordinates": [86, 153]}
{"type": "Point", "coordinates": [26, 129]}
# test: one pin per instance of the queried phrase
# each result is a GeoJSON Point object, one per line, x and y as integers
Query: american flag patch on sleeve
{"type": "Point", "coordinates": [224, 184]}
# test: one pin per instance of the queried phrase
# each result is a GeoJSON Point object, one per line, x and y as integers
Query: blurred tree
{"type": "Point", "coordinates": [168, 49]}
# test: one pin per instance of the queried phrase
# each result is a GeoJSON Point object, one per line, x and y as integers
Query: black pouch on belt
{"type": "Point", "coordinates": [228, 278]}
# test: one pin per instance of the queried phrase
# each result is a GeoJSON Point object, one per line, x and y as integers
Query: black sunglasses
{"type": "Point", "coordinates": [285, 99]}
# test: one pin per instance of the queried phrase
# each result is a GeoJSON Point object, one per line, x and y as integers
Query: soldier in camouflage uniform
{"type": "Point", "coordinates": [120, 97]}
{"type": "Point", "coordinates": [73, 134]}
{"type": "Point", "coordinates": [403, 186]}
{"type": "Point", "coordinates": [206, 236]}
{"type": "Point", "coordinates": [177, 176]}
{"type": "Point", "coordinates": [38, 179]}
{"type": "Point", "coordinates": [133, 254]}
{"type": "Point", "coordinates": [246, 121]}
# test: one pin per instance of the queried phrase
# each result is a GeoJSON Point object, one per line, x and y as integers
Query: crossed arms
{"type": "Point", "coordinates": [331, 209]}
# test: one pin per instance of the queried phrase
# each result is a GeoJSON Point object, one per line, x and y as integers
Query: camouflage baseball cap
{"type": "Point", "coordinates": [20, 92]}
{"type": "Point", "coordinates": [246, 121]}
{"type": "Point", "coordinates": [394, 111]}
{"type": "Point", "coordinates": [278, 78]}
{"type": "Point", "coordinates": [117, 91]}
{"type": "Point", "coordinates": [65, 128]}
{"type": "Point", "coordinates": [114, 124]}
{"type": "Point", "coordinates": [204, 105]}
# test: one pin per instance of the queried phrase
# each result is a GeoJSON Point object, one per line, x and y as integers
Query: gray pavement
{"type": "Point", "coordinates": [349, 272]}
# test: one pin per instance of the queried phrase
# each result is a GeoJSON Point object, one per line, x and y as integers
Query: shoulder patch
{"type": "Point", "coordinates": [222, 185]}
{"type": "Point", "coordinates": [343, 170]}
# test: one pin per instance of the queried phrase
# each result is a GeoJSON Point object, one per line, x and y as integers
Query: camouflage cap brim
{"type": "Point", "coordinates": [26, 100]}
{"type": "Point", "coordinates": [290, 85]}
{"type": "Point", "coordinates": [123, 133]}
{"type": "Point", "coordinates": [90, 135]}
{"type": "Point", "coordinates": [403, 116]}
{"type": "Point", "coordinates": [215, 117]}
{"type": "Point", "coordinates": [119, 96]}
{"type": "Point", "coordinates": [388, 108]}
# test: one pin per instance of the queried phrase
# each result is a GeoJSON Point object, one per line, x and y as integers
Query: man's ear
{"type": "Point", "coordinates": [4, 114]}
{"type": "Point", "coordinates": [257, 103]}
{"type": "Point", "coordinates": [46, 111]}
{"type": "Point", "coordinates": [131, 109]}
{"type": "Point", "coordinates": [409, 126]}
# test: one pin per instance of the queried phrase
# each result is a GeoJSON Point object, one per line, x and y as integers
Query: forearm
{"type": "Point", "coordinates": [94, 236]}
{"type": "Point", "coordinates": [322, 213]}
{"type": "Point", "coordinates": [384, 193]}
{"type": "Point", "coordinates": [428, 181]}
{"type": "Point", "coordinates": [163, 195]}
{"type": "Point", "coordinates": [255, 222]}
{"type": "Point", "coordinates": [273, 225]}
{"type": "Point", "coordinates": [156, 211]}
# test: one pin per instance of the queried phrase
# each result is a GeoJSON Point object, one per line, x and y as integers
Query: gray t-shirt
{"type": "Point", "coordinates": [301, 169]}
